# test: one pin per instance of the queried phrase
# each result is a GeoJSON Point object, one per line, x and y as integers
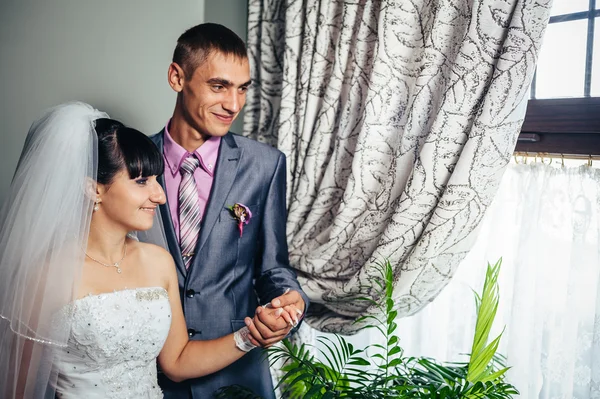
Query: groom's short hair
{"type": "Point", "coordinates": [197, 43]}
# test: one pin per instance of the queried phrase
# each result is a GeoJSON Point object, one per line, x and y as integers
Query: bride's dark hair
{"type": "Point", "coordinates": [121, 147]}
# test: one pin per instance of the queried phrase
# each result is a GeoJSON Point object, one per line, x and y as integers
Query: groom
{"type": "Point", "coordinates": [225, 215]}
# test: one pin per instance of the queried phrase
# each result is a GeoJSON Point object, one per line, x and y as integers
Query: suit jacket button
{"type": "Point", "coordinates": [190, 293]}
{"type": "Point", "coordinates": [191, 332]}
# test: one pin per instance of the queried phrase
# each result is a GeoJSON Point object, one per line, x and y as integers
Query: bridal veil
{"type": "Point", "coordinates": [44, 228]}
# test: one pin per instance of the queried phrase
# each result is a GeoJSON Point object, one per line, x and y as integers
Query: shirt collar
{"type": "Point", "coordinates": [175, 154]}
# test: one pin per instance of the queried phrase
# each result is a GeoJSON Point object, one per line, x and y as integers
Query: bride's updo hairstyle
{"type": "Point", "coordinates": [121, 147]}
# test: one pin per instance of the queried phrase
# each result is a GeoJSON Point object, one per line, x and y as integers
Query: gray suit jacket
{"type": "Point", "coordinates": [231, 275]}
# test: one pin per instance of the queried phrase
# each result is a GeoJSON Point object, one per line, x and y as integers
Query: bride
{"type": "Point", "coordinates": [85, 308]}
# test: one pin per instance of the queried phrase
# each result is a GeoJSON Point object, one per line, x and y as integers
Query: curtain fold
{"type": "Point", "coordinates": [397, 119]}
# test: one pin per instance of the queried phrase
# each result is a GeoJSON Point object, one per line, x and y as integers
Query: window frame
{"type": "Point", "coordinates": [565, 125]}
{"type": "Point", "coordinates": [561, 126]}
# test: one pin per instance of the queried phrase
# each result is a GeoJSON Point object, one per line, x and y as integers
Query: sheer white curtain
{"type": "Point", "coordinates": [545, 225]}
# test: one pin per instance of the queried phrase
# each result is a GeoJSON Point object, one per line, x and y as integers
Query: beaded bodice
{"type": "Point", "coordinates": [115, 339]}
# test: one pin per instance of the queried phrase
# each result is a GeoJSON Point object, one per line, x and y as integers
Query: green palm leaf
{"type": "Point", "coordinates": [482, 353]}
{"type": "Point", "coordinates": [382, 371]}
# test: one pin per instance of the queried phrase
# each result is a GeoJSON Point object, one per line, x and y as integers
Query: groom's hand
{"type": "Point", "coordinates": [269, 326]}
{"type": "Point", "coordinates": [273, 322]}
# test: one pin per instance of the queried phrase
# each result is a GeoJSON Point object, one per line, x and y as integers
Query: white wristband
{"type": "Point", "coordinates": [242, 340]}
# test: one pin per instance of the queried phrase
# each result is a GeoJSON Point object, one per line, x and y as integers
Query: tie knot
{"type": "Point", "coordinates": [189, 164]}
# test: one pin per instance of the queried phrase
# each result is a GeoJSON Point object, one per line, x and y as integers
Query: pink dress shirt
{"type": "Point", "coordinates": [174, 155]}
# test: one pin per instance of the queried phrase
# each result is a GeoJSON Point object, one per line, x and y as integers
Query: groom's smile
{"type": "Point", "coordinates": [227, 119]}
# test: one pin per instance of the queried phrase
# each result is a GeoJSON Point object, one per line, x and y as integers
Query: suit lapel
{"type": "Point", "coordinates": [227, 165]}
{"type": "Point", "coordinates": [165, 214]}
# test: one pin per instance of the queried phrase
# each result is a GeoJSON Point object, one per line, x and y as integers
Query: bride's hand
{"type": "Point", "coordinates": [291, 301]}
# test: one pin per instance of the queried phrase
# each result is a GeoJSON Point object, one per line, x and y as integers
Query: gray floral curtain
{"type": "Point", "coordinates": [398, 119]}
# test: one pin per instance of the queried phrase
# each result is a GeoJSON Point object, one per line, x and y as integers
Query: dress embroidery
{"type": "Point", "coordinates": [151, 295]}
{"type": "Point", "coordinates": [115, 339]}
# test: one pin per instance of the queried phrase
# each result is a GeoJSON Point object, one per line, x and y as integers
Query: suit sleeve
{"type": "Point", "coordinates": [273, 271]}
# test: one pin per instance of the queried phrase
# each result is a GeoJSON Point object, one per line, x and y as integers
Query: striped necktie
{"type": "Point", "coordinates": [189, 211]}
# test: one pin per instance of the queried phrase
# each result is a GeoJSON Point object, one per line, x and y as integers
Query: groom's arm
{"type": "Point", "coordinates": [274, 275]}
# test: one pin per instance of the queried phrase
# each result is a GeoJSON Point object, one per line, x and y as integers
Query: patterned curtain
{"type": "Point", "coordinates": [398, 119]}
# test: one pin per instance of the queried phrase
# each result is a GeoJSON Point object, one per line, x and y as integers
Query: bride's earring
{"type": "Point", "coordinates": [96, 205]}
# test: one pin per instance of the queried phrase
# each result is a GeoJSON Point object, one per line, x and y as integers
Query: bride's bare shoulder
{"type": "Point", "coordinates": [153, 255]}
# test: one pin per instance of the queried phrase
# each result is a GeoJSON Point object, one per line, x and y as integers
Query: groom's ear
{"type": "Point", "coordinates": [176, 77]}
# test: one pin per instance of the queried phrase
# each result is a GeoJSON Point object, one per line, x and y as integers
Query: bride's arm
{"type": "Point", "coordinates": [181, 358]}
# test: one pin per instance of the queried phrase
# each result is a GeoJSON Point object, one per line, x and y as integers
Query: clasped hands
{"type": "Point", "coordinates": [273, 322]}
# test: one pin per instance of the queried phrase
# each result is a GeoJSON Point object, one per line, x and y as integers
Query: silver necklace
{"type": "Point", "coordinates": [116, 264]}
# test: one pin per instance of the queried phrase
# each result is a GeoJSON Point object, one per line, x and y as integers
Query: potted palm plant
{"type": "Point", "coordinates": [382, 370]}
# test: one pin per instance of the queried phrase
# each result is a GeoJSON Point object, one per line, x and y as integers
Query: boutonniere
{"type": "Point", "coordinates": [242, 215]}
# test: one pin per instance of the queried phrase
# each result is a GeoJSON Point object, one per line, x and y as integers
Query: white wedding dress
{"type": "Point", "coordinates": [113, 345]}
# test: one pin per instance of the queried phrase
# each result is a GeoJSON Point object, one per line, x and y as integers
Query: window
{"type": "Point", "coordinates": [563, 114]}
{"type": "Point", "coordinates": [566, 64]}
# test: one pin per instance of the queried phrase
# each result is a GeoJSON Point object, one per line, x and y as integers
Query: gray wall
{"type": "Point", "coordinates": [112, 54]}
{"type": "Point", "coordinates": [231, 13]}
